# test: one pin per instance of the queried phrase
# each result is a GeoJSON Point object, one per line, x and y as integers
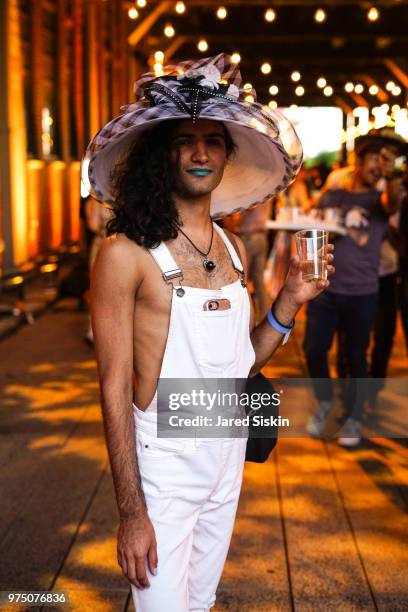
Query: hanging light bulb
{"type": "Point", "coordinates": [141, 3]}
{"type": "Point", "coordinates": [202, 45]}
{"type": "Point", "coordinates": [266, 68]}
{"type": "Point", "coordinates": [235, 58]}
{"type": "Point", "coordinates": [273, 104]}
{"type": "Point", "coordinates": [249, 98]}
{"type": "Point", "coordinates": [180, 8]}
{"type": "Point", "coordinates": [222, 12]}
{"type": "Point", "coordinates": [247, 87]}
{"type": "Point", "coordinates": [373, 14]}
{"type": "Point", "coordinates": [320, 15]}
{"type": "Point", "coordinates": [273, 90]}
{"type": "Point", "coordinates": [321, 82]}
{"type": "Point", "coordinates": [158, 69]}
{"type": "Point", "coordinates": [270, 15]}
{"type": "Point", "coordinates": [359, 88]}
{"type": "Point", "coordinates": [299, 91]}
{"type": "Point", "coordinates": [349, 87]}
{"type": "Point", "coordinates": [390, 86]}
{"type": "Point", "coordinates": [396, 90]}
{"type": "Point", "coordinates": [373, 90]}
{"type": "Point", "coordinates": [395, 108]}
{"type": "Point", "coordinates": [169, 31]}
{"type": "Point", "coordinates": [328, 91]}
{"type": "Point", "coordinates": [293, 106]}
{"type": "Point", "coordinates": [295, 76]}
{"type": "Point", "coordinates": [133, 12]}
{"type": "Point", "coordinates": [159, 57]}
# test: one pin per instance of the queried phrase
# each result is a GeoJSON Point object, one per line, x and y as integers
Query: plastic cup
{"type": "Point", "coordinates": [311, 246]}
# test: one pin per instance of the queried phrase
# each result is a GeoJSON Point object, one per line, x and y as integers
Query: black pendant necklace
{"type": "Point", "coordinates": [208, 264]}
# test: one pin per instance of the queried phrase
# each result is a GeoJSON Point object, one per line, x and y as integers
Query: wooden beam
{"type": "Point", "coordinates": [346, 108]}
{"type": "Point", "coordinates": [177, 43]}
{"type": "Point", "coordinates": [359, 100]}
{"type": "Point", "coordinates": [398, 72]}
{"type": "Point", "coordinates": [145, 26]}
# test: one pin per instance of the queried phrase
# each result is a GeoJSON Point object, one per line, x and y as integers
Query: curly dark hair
{"type": "Point", "coordinates": [143, 184]}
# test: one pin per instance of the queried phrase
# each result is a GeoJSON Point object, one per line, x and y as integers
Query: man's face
{"type": "Point", "coordinates": [199, 156]}
{"type": "Point", "coordinates": [369, 168]}
{"type": "Point", "coordinates": [388, 155]}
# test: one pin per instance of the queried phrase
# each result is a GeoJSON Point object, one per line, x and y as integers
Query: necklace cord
{"type": "Point", "coordinates": [196, 248]}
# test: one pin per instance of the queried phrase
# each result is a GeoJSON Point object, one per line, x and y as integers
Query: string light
{"type": "Point", "coordinates": [321, 82]}
{"type": "Point", "coordinates": [293, 106]}
{"type": "Point", "coordinates": [273, 104]}
{"type": "Point", "coordinates": [270, 15]}
{"type": "Point", "coordinates": [299, 91]}
{"type": "Point", "coordinates": [328, 91]}
{"type": "Point", "coordinates": [373, 14]}
{"type": "Point", "coordinates": [169, 31]}
{"type": "Point", "coordinates": [320, 15]}
{"type": "Point", "coordinates": [235, 58]}
{"type": "Point", "coordinates": [141, 3]}
{"type": "Point", "coordinates": [349, 87]}
{"type": "Point", "coordinates": [133, 13]}
{"type": "Point", "coordinates": [295, 76]}
{"type": "Point", "coordinates": [390, 85]}
{"type": "Point", "coordinates": [359, 88]}
{"type": "Point", "coordinates": [202, 45]}
{"type": "Point", "coordinates": [266, 68]}
{"type": "Point", "coordinates": [249, 98]}
{"type": "Point", "coordinates": [373, 90]}
{"type": "Point", "coordinates": [396, 90]}
{"type": "Point", "coordinates": [247, 87]}
{"type": "Point", "coordinates": [159, 56]}
{"type": "Point", "coordinates": [273, 90]}
{"type": "Point", "coordinates": [180, 8]}
{"type": "Point", "coordinates": [158, 69]}
{"type": "Point", "coordinates": [222, 12]}
{"type": "Point", "coordinates": [395, 108]}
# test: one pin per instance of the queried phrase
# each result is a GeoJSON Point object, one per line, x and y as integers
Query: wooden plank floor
{"type": "Point", "coordinates": [318, 527]}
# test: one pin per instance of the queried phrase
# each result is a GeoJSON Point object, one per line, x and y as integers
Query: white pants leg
{"type": "Point", "coordinates": [192, 490]}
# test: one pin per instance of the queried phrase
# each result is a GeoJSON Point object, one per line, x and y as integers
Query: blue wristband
{"type": "Point", "coordinates": [282, 329]}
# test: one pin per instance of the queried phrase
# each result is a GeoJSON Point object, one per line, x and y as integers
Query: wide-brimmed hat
{"type": "Point", "coordinates": [268, 154]}
{"type": "Point", "coordinates": [377, 138]}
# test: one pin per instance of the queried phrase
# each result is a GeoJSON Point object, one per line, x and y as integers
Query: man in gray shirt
{"type": "Point", "coordinates": [350, 303]}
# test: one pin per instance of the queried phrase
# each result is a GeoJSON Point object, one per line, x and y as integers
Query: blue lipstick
{"type": "Point", "coordinates": [199, 171]}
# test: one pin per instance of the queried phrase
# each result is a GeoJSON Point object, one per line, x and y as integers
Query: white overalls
{"type": "Point", "coordinates": [192, 486]}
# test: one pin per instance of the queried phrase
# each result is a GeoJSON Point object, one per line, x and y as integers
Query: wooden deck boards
{"type": "Point", "coordinates": [318, 527]}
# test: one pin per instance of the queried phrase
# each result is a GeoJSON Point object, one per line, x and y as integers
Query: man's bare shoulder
{"type": "Point", "coordinates": [121, 256]}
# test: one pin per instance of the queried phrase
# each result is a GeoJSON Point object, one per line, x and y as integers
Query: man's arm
{"type": "Point", "coordinates": [114, 284]}
{"type": "Point", "coordinates": [295, 292]}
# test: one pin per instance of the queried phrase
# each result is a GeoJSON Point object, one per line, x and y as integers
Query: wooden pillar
{"type": "Point", "coordinates": [78, 76]}
{"type": "Point", "coordinates": [36, 37]}
{"type": "Point", "coordinates": [63, 88]}
{"type": "Point", "coordinates": [13, 155]}
{"type": "Point", "coordinates": [93, 67]}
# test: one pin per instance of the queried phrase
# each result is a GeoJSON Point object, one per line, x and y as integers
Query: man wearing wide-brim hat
{"type": "Point", "coordinates": [169, 300]}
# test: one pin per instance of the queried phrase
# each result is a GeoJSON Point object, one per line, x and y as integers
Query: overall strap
{"type": "Point", "coordinates": [166, 262]}
{"type": "Point", "coordinates": [231, 249]}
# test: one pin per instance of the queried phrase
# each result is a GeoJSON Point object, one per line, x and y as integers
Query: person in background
{"type": "Point", "coordinates": [350, 303]}
{"type": "Point", "coordinates": [251, 227]}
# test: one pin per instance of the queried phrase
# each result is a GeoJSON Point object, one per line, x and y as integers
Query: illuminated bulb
{"type": "Point", "coordinates": [385, 107]}
{"type": "Point", "coordinates": [390, 85]}
{"type": "Point", "coordinates": [349, 87]}
{"type": "Point", "coordinates": [396, 90]}
{"type": "Point", "coordinates": [320, 15]}
{"type": "Point", "coordinates": [273, 90]}
{"type": "Point", "coordinates": [358, 88]}
{"type": "Point", "coordinates": [141, 3]}
{"type": "Point", "coordinates": [395, 108]}
{"type": "Point", "coordinates": [222, 12]}
{"type": "Point", "coordinates": [321, 82]}
{"type": "Point", "coordinates": [159, 56]}
{"type": "Point", "coordinates": [249, 98]}
{"type": "Point", "coordinates": [273, 104]}
{"type": "Point", "coordinates": [202, 45]}
{"type": "Point", "coordinates": [266, 68]}
{"type": "Point", "coordinates": [158, 69]}
{"type": "Point", "coordinates": [295, 76]}
{"type": "Point", "coordinates": [270, 15]}
{"type": "Point", "coordinates": [180, 8]}
{"type": "Point", "coordinates": [132, 12]}
{"type": "Point", "coordinates": [373, 90]}
{"type": "Point", "coordinates": [169, 30]}
{"type": "Point", "coordinates": [373, 14]}
{"type": "Point", "coordinates": [299, 91]}
{"type": "Point", "coordinates": [328, 91]}
{"type": "Point", "coordinates": [247, 86]}
{"type": "Point", "coordinates": [235, 58]}
{"type": "Point", "coordinates": [293, 106]}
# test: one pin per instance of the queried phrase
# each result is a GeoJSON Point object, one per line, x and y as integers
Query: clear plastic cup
{"type": "Point", "coordinates": [311, 246]}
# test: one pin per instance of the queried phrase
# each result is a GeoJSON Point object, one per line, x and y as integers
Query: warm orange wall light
{"type": "Point", "coordinates": [35, 188]}
{"type": "Point", "coordinates": [74, 176]}
{"type": "Point", "coordinates": [56, 194]}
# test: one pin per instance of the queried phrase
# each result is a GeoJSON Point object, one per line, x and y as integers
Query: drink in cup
{"type": "Point", "coordinates": [311, 246]}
